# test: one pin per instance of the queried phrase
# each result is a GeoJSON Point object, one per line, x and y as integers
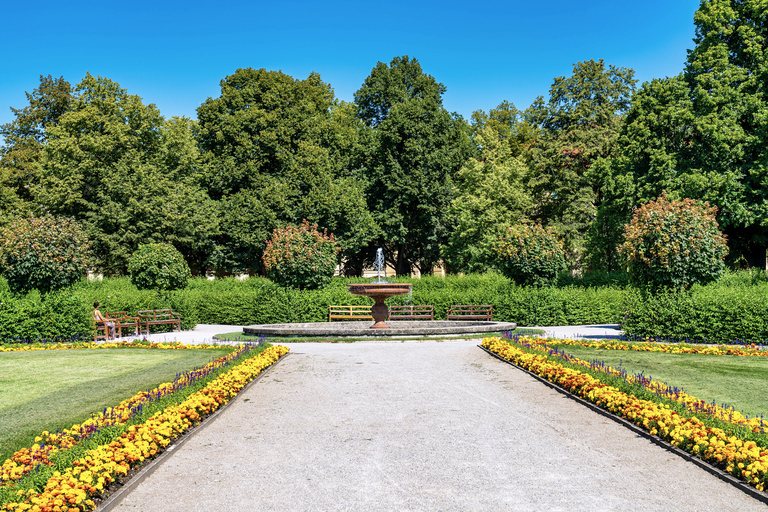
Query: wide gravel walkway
{"type": "Point", "coordinates": [419, 426]}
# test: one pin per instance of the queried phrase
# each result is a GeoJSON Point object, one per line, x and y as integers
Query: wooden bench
{"type": "Point", "coordinates": [157, 317]}
{"type": "Point", "coordinates": [422, 312]}
{"type": "Point", "coordinates": [349, 313]}
{"type": "Point", "coordinates": [123, 320]}
{"type": "Point", "coordinates": [471, 312]}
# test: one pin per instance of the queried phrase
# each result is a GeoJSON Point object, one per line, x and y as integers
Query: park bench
{"type": "Point", "coordinates": [122, 320]}
{"type": "Point", "coordinates": [422, 312]}
{"type": "Point", "coordinates": [471, 312]}
{"type": "Point", "coordinates": [157, 317]}
{"type": "Point", "coordinates": [349, 313]}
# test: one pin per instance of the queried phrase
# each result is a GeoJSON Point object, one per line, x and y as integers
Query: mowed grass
{"type": "Point", "coordinates": [55, 389]}
{"type": "Point", "coordinates": [740, 382]}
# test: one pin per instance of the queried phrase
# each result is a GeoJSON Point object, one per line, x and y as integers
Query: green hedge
{"type": "Point", "coordinates": [259, 301]}
{"type": "Point", "coordinates": [730, 311]}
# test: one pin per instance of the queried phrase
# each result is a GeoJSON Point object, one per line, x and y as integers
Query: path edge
{"type": "Point", "coordinates": [116, 497]}
{"type": "Point", "coordinates": [714, 470]}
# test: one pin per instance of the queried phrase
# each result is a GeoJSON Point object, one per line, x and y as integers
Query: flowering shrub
{"type": "Point", "coordinates": [158, 266]}
{"type": "Point", "coordinates": [530, 254]}
{"type": "Point", "coordinates": [88, 476]}
{"type": "Point", "coordinates": [742, 458]}
{"type": "Point", "coordinates": [301, 257]}
{"type": "Point", "coordinates": [44, 253]}
{"type": "Point", "coordinates": [673, 244]}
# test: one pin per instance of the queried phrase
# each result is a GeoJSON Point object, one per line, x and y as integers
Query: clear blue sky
{"type": "Point", "coordinates": [174, 54]}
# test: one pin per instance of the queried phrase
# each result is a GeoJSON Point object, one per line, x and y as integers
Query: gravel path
{"type": "Point", "coordinates": [418, 426]}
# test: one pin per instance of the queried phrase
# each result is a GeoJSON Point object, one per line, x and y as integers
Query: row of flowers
{"type": "Point", "coordinates": [675, 394]}
{"type": "Point", "coordinates": [75, 488]}
{"type": "Point", "coordinates": [742, 458]}
{"type": "Point", "coordinates": [669, 348]}
{"type": "Point", "coordinates": [25, 347]}
{"type": "Point", "coordinates": [50, 443]}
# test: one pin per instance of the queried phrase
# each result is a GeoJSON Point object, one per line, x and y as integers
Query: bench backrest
{"type": "Point", "coordinates": [156, 314]}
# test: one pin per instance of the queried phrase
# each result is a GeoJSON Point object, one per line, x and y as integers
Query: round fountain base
{"type": "Point", "coordinates": [396, 328]}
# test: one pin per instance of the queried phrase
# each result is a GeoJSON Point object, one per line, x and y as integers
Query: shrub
{"type": "Point", "coordinates": [301, 257]}
{"type": "Point", "coordinates": [44, 253]}
{"type": "Point", "coordinates": [158, 266]}
{"type": "Point", "coordinates": [530, 254]}
{"type": "Point", "coordinates": [673, 244]}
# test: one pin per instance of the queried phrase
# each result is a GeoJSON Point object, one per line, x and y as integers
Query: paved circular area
{"type": "Point", "coordinates": [397, 328]}
{"type": "Point", "coordinates": [419, 426]}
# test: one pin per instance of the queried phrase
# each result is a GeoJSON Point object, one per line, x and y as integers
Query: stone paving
{"type": "Point", "coordinates": [418, 426]}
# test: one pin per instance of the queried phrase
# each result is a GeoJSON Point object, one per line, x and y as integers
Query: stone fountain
{"type": "Point", "coordinates": [379, 291]}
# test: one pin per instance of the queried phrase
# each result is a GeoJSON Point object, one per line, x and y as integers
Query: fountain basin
{"type": "Point", "coordinates": [397, 328]}
{"type": "Point", "coordinates": [379, 292]}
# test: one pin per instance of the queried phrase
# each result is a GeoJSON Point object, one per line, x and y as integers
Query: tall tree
{"type": "Point", "coordinates": [278, 150]}
{"type": "Point", "coordinates": [417, 147]}
{"type": "Point", "coordinates": [489, 196]}
{"type": "Point", "coordinates": [702, 135]}
{"type": "Point", "coordinates": [580, 124]}
{"type": "Point", "coordinates": [24, 138]}
{"type": "Point", "coordinates": [126, 173]}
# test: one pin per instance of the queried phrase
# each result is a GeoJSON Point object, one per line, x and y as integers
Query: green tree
{"type": "Point", "coordinates": [671, 243]}
{"type": "Point", "coordinates": [509, 123]}
{"type": "Point", "coordinates": [702, 135]}
{"type": "Point", "coordinates": [24, 138]}
{"type": "Point", "coordinates": [44, 253]}
{"type": "Point", "coordinates": [489, 196]}
{"type": "Point", "coordinates": [158, 267]}
{"type": "Point", "coordinates": [579, 125]}
{"type": "Point", "coordinates": [126, 173]}
{"type": "Point", "coordinates": [286, 148]}
{"type": "Point", "coordinates": [301, 257]}
{"type": "Point", "coordinates": [417, 147]}
{"type": "Point", "coordinates": [530, 254]}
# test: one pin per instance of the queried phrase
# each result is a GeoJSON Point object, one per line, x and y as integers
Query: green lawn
{"type": "Point", "coordinates": [737, 381]}
{"type": "Point", "coordinates": [54, 389]}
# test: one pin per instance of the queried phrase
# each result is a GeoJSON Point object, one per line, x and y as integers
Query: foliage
{"type": "Point", "coordinates": [731, 312]}
{"type": "Point", "coordinates": [158, 266]}
{"type": "Point", "coordinates": [277, 150]}
{"type": "Point", "coordinates": [530, 254]}
{"type": "Point", "coordinates": [126, 173]}
{"type": "Point", "coordinates": [580, 124]}
{"type": "Point", "coordinates": [24, 138]}
{"type": "Point", "coordinates": [417, 147]}
{"type": "Point", "coordinates": [674, 244]}
{"type": "Point", "coordinates": [702, 134]}
{"type": "Point", "coordinates": [44, 253]}
{"type": "Point", "coordinates": [489, 196]}
{"type": "Point", "coordinates": [301, 257]}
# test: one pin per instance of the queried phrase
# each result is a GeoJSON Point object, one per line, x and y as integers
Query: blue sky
{"type": "Point", "coordinates": [174, 54]}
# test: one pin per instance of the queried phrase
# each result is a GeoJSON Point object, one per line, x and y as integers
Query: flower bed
{"type": "Point", "coordinates": [740, 457]}
{"type": "Point", "coordinates": [661, 389]}
{"type": "Point", "coordinates": [88, 476]}
{"type": "Point", "coordinates": [48, 443]}
{"type": "Point", "coordinates": [669, 348]}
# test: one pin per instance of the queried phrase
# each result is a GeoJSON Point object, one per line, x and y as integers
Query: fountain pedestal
{"type": "Point", "coordinates": [379, 292]}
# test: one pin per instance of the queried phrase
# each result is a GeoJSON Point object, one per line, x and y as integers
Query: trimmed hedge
{"type": "Point", "coordinates": [735, 308]}
{"type": "Point", "coordinates": [260, 301]}
{"type": "Point", "coordinates": [716, 313]}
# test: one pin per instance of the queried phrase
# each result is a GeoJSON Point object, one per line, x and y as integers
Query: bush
{"type": "Point", "coordinates": [301, 257]}
{"type": "Point", "coordinates": [159, 267]}
{"type": "Point", "coordinates": [530, 255]}
{"type": "Point", "coordinates": [44, 253]}
{"type": "Point", "coordinates": [725, 312]}
{"type": "Point", "coordinates": [673, 244]}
